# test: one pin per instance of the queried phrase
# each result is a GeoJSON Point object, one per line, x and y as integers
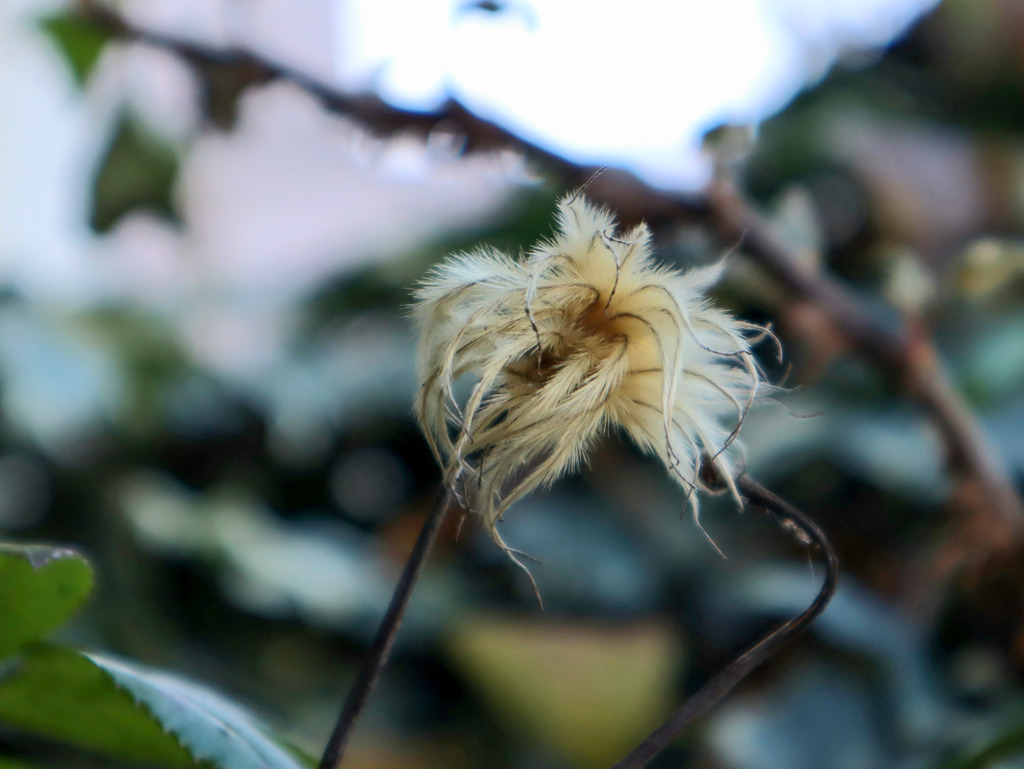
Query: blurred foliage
{"type": "Point", "coordinates": [246, 524]}
{"type": "Point", "coordinates": [41, 588]}
{"type": "Point", "coordinates": [389, 285]}
{"type": "Point", "coordinates": [97, 703]}
{"type": "Point", "coordinates": [136, 172]}
{"type": "Point", "coordinates": [79, 40]}
{"type": "Point", "coordinates": [608, 686]}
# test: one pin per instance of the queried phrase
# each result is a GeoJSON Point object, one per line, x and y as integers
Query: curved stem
{"type": "Point", "coordinates": [385, 639]}
{"type": "Point", "coordinates": [806, 532]}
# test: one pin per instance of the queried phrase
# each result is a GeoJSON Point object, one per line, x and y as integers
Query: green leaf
{"type": "Point", "coordinates": [61, 694]}
{"type": "Point", "coordinates": [138, 171]}
{"type": "Point", "coordinates": [134, 713]}
{"type": "Point", "coordinates": [40, 587]}
{"type": "Point", "coordinates": [79, 40]}
{"type": "Point", "coordinates": [211, 727]}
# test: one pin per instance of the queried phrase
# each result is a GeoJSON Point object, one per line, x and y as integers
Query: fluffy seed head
{"type": "Point", "coordinates": [583, 334]}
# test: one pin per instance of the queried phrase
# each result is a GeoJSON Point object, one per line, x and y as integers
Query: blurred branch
{"type": "Point", "coordinates": [244, 68]}
{"type": "Point", "coordinates": [807, 533]}
{"type": "Point", "coordinates": [907, 357]}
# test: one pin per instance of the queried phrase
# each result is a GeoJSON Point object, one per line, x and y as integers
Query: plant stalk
{"type": "Point", "coordinates": [379, 651]}
{"type": "Point", "coordinates": [806, 532]}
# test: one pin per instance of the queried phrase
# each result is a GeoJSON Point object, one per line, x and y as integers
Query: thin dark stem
{"type": "Point", "coordinates": [807, 532]}
{"type": "Point", "coordinates": [381, 648]}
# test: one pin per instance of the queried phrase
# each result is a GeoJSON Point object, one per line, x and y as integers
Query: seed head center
{"type": "Point", "coordinates": [590, 329]}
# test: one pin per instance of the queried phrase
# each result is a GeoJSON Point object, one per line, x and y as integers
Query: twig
{"type": "Point", "coordinates": [377, 657]}
{"type": "Point", "coordinates": [807, 532]}
{"type": "Point", "coordinates": [908, 358]}
{"type": "Point", "coordinates": [248, 68]}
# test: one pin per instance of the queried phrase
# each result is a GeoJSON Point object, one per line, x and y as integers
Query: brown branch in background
{"type": "Point", "coordinates": [909, 359]}
{"type": "Point", "coordinates": [807, 533]}
{"type": "Point", "coordinates": [906, 356]}
{"type": "Point", "coordinates": [243, 68]}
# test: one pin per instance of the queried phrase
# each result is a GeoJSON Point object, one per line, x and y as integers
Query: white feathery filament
{"type": "Point", "coordinates": [583, 334]}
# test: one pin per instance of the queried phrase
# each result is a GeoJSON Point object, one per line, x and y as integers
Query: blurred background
{"type": "Point", "coordinates": [206, 370]}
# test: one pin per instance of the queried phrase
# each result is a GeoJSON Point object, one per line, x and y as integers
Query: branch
{"type": "Point", "coordinates": [247, 68]}
{"type": "Point", "coordinates": [806, 532]}
{"type": "Point", "coordinates": [377, 657]}
{"type": "Point", "coordinates": [908, 359]}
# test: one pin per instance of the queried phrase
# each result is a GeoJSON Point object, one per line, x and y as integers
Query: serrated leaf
{"type": "Point", "coordinates": [585, 692]}
{"type": "Point", "coordinates": [134, 713]}
{"type": "Point", "coordinates": [63, 695]}
{"type": "Point", "coordinates": [137, 172]}
{"type": "Point", "coordinates": [211, 727]}
{"type": "Point", "coordinates": [79, 40]}
{"type": "Point", "coordinates": [40, 587]}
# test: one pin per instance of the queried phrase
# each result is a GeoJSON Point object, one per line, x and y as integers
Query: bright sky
{"type": "Point", "coordinates": [634, 84]}
{"type": "Point", "coordinates": [282, 201]}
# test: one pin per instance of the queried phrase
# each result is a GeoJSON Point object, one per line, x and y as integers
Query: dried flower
{"type": "Point", "coordinates": [582, 334]}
